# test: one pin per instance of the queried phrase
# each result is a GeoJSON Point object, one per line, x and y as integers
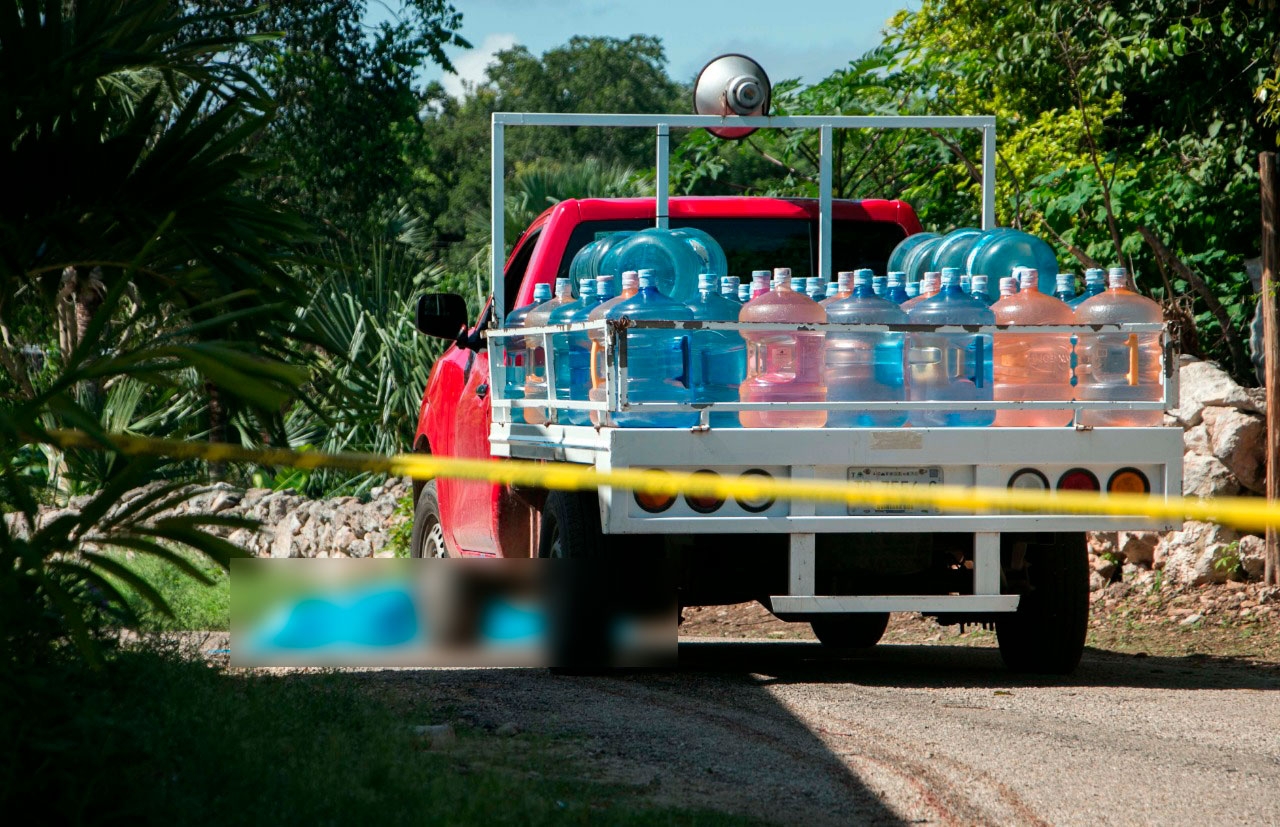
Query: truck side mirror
{"type": "Point", "coordinates": [442, 315]}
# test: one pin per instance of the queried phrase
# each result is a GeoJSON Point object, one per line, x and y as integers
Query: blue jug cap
{"type": "Point", "coordinates": [707, 281]}
{"type": "Point", "coordinates": [894, 279]}
{"type": "Point", "coordinates": [586, 287]}
{"type": "Point", "coordinates": [564, 287]}
{"type": "Point", "coordinates": [950, 275]}
{"type": "Point", "coordinates": [861, 278]}
{"type": "Point", "coordinates": [1094, 275]}
{"type": "Point", "coordinates": [541, 292]}
{"type": "Point", "coordinates": [978, 283]}
{"type": "Point", "coordinates": [645, 278]}
{"type": "Point", "coordinates": [1029, 278]}
{"type": "Point", "coordinates": [728, 281]}
{"type": "Point", "coordinates": [1065, 280]}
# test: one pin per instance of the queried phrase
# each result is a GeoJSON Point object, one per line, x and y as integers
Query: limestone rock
{"type": "Point", "coordinates": [1196, 440]}
{"type": "Point", "coordinates": [1239, 440]}
{"type": "Point", "coordinates": [1202, 384]}
{"type": "Point", "coordinates": [1252, 552]}
{"type": "Point", "coordinates": [1206, 476]}
{"type": "Point", "coordinates": [1137, 547]}
{"type": "Point", "coordinates": [1190, 556]}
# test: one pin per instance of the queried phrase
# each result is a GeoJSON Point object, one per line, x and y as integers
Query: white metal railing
{"type": "Point", "coordinates": [615, 375]}
{"type": "Point", "coordinates": [662, 124]}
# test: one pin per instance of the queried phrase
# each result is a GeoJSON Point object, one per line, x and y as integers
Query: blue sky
{"type": "Point", "coordinates": [803, 38]}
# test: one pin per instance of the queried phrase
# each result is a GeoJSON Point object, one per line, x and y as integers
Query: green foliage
{"type": "Point", "coordinates": [401, 534]}
{"type": "Point", "coordinates": [130, 241]}
{"type": "Point", "coordinates": [194, 605]}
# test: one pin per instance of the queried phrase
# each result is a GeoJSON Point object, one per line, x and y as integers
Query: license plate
{"type": "Point", "coordinates": [918, 475]}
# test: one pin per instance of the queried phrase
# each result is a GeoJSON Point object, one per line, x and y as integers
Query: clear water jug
{"type": "Point", "coordinates": [744, 293]}
{"type": "Point", "coordinates": [928, 286]}
{"type": "Point", "coordinates": [729, 287]}
{"type": "Point", "coordinates": [535, 358]}
{"type": "Point", "coordinates": [513, 351]}
{"type": "Point", "coordinates": [719, 357]}
{"type": "Point", "coordinates": [844, 287]}
{"type": "Point", "coordinates": [953, 367]}
{"type": "Point", "coordinates": [1032, 366]}
{"type": "Point", "coordinates": [707, 249]}
{"type": "Point", "coordinates": [1119, 367]}
{"type": "Point", "coordinates": [895, 289]}
{"type": "Point", "coordinates": [879, 284]}
{"type": "Point", "coordinates": [979, 288]}
{"type": "Point", "coordinates": [1065, 287]}
{"type": "Point", "coordinates": [572, 352]}
{"type": "Point", "coordinates": [658, 361]}
{"type": "Point", "coordinates": [954, 248]}
{"type": "Point", "coordinates": [630, 285]}
{"type": "Point", "coordinates": [865, 366]}
{"type": "Point", "coordinates": [784, 366]}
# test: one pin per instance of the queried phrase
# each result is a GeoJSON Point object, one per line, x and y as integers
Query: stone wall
{"type": "Point", "coordinates": [1224, 454]}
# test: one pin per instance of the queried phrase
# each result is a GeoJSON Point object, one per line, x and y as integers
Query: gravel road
{"type": "Point", "coordinates": [786, 732]}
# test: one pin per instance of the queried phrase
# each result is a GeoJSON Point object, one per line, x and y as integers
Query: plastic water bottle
{"type": "Point", "coordinates": [535, 357]}
{"type": "Point", "coordinates": [630, 286]}
{"type": "Point", "coordinates": [784, 366]}
{"type": "Point", "coordinates": [572, 351]}
{"type": "Point", "coordinates": [879, 284]}
{"type": "Point", "coordinates": [966, 282]}
{"type": "Point", "coordinates": [950, 366]}
{"type": "Point", "coordinates": [1065, 289]}
{"type": "Point", "coordinates": [719, 357]}
{"type": "Point", "coordinates": [1008, 287]}
{"type": "Point", "coordinates": [979, 289]}
{"type": "Point", "coordinates": [1119, 367]}
{"type": "Point", "coordinates": [844, 286]}
{"type": "Point", "coordinates": [744, 293]}
{"type": "Point", "coordinates": [953, 249]}
{"type": "Point", "coordinates": [675, 261]}
{"type": "Point", "coordinates": [657, 360]}
{"type": "Point", "coordinates": [833, 290]}
{"type": "Point", "coordinates": [1095, 281]}
{"type": "Point", "coordinates": [708, 250]}
{"type": "Point", "coordinates": [1001, 249]}
{"type": "Point", "coordinates": [583, 261]}
{"type": "Point", "coordinates": [895, 291]}
{"type": "Point", "coordinates": [729, 287]}
{"type": "Point", "coordinates": [865, 366]}
{"type": "Point", "coordinates": [898, 258]}
{"type": "Point", "coordinates": [817, 289]}
{"type": "Point", "coordinates": [759, 283]}
{"type": "Point", "coordinates": [928, 286]}
{"type": "Point", "coordinates": [912, 289]}
{"type": "Point", "coordinates": [513, 351]}
{"type": "Point", "coordinates": [1032, 366]}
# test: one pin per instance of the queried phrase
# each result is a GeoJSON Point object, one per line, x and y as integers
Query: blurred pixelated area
{"type": "Point", "coordinates": [574, 614]}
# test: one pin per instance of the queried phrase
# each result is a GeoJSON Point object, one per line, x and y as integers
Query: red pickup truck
{"type": "Point", "coordinates": [466, 518]}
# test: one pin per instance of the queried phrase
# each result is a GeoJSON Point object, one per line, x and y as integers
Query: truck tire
{"type": "Point", "coordinates": [1047, 632]}
{"type": "Point", "coordinates": [850, 631]}
{"type": "Point", "coordinates": [578, 636]}
{"type": "Point", "coordinates": [427, 538]}
{"type": "Point", "coordinates": [570, 526]}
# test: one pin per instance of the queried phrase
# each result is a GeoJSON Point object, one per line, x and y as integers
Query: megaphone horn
{"type": "Point", "coordinates": [731, 84]}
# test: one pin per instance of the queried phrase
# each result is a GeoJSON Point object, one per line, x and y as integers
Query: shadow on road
{"type": "Point", "coordinates": [931, 666]}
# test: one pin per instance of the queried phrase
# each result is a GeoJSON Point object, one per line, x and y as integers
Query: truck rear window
{"type": "Point", "coordinates": [765, 243]}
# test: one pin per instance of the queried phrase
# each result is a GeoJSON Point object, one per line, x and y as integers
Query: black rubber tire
{"type": "Point", "coordinates": [427, 538]}
{"type": "Point", "coordinates": [850, 631]}
{"type": "Point", "coordinates": [579, 637]}
{"type": "Point", "coordinates": [1047, 633]}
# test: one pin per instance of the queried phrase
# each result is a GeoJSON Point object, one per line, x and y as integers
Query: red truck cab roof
{"type": "Point", "coordinates": [864, 232]}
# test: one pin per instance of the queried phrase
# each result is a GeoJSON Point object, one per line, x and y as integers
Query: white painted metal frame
{"type": "Point", "coordinates": [662, 124]}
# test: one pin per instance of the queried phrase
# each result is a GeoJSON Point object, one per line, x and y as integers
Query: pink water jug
{"type": "Point", "coordinates": [1032, 366]}
{"type": "Point", "coordinates": [784, 366]}
{"type": "Point", "coordinates": [1119, 367]}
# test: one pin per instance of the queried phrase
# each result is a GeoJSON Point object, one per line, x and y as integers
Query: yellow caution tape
{"type": "Point", "coordinates": [1241, 512]}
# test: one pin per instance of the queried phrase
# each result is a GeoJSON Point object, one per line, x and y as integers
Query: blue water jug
{"type": "Point", "coordinates": [1002, 249]}
{"type": "Point", "coordinates": [744, 293]}
{"type": "Point", "coordinates": [896, 288]}
{"type": "Point", "coordinates": [572, 352]}
{"type": "Point", "coordinates": [718, 360]}
{"type": "Point", "coordinates": [980, 289]}
{"type": "Point", "coordinates": [865, 366]}
{"type": "Point", "coordinates": [1065, 287]}
{"type": "Point", "coordinates": [878, 284]}
{"type": "Point", "coordinates": [600, 251]}
{"type": "Point", "coordinates": [1095, 282]}
{"type": "Point", "coordinates": [729, 287]}
{"type": "Point", "coordinates": [706, 248]}
{"type": "Point", "coordinates": [657, 360]}
{"type": "Point", "coordinates": [898, 258]}
{"type": "Point", "coordinates": [668, 254]}
{"type": "Point", "coordinates": [950, 367]}
{"type": "Point", "coordinates": [954, 248]}
{"type": "Point", "coordinates": [583, 261]}
{"type": "Point", "coordinates": [513, 349]}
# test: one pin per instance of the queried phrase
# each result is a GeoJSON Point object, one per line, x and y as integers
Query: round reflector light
{"type": "Point", "coordinates": [1078, 479]}
{"type": "Point", "coordinates": [1029, 479]}
{"type": "Point", "coordinates": [755, 505]}
{"type": "Point", "coordinates": [654, 502]}
{"type": "Point", "coordinates": [1129, 481]}
{"type": "Point", "coordinates": [704, 503]}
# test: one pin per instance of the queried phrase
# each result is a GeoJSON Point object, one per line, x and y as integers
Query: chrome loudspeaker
{"type": "Point", "coordinates": [731, 85]}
